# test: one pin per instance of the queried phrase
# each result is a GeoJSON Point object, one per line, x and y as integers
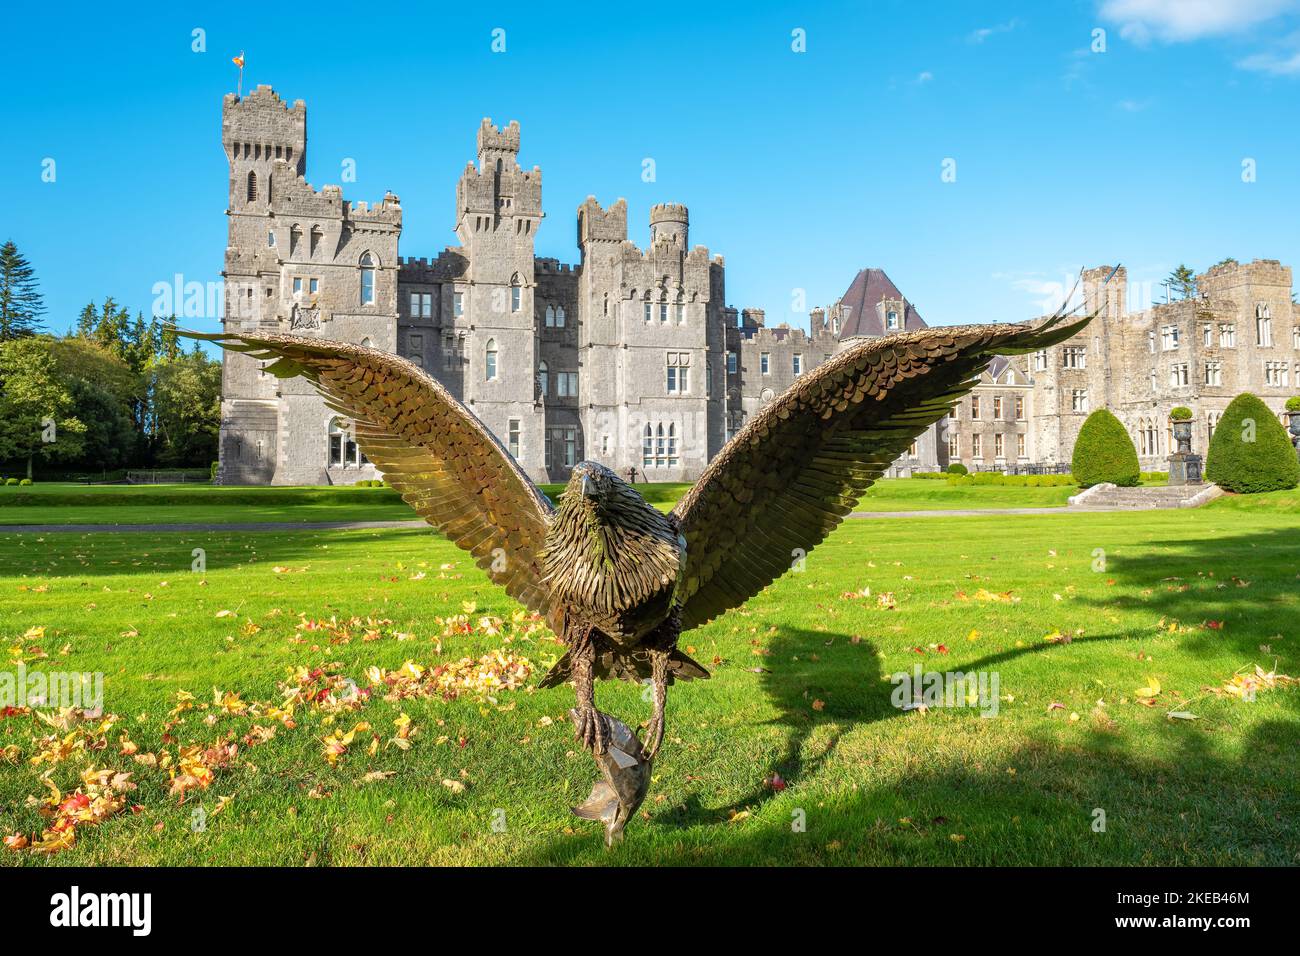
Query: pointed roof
{"type": "Point", "coordinates": [867, 290]}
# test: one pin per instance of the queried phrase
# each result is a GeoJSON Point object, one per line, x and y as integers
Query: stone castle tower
{"type": "Point", "coordinates": [297, 260]}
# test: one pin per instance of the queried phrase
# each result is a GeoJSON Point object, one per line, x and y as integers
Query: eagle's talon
{"type": "Point", "coordinates": [591, 729]}
{"type": "Point", "coordinates": [654, 736]}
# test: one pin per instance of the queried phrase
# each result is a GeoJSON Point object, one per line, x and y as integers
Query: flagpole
{"type": "Point", "coordinates": [240, 88]}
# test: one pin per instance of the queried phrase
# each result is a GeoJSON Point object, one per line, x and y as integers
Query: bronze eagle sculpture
{"type": "Point", "coordinates": [616, 579]}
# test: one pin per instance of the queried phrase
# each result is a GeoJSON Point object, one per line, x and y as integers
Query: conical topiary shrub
{"type": "Point", "coordinates": [1250, 450]}
{"type": "Point", "coordinates": [1104, 452]}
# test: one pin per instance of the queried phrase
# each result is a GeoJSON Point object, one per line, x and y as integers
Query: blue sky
{"type": "Point", "coordinates": [799, 168]}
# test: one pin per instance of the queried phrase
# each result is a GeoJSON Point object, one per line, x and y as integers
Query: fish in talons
{"type": "Point", "coordinates": [624, 780]}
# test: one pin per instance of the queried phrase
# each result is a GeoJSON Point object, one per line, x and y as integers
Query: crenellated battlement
{"type": "Point", "coordinates": [596, 224]}
{"type": "Point", "coordinates": [669, 212]}
{"type": "Point", "coordinates": [1236, 275]}
{"type": "Point", "coordinates": [449, 264]}
{"type": "Point", "coordinates": [491, 138]}
{"type": "Point", "coordinates": [263, 96]}
{"type": "Point", "coordinates": [553, 266]}
{"type": "Point", "coordinates": [261, 129]}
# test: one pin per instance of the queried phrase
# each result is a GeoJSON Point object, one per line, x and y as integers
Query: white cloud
{"type": "Point", "coordinates": [925, 76]}
{"type": "Point", "coordinates": [1046, 294]}
{"type": "Point", "coordinates": [1284, 61]}
{"type": "Point", "coordinates": [983, 33]}
{"type": "Point", "coordinates": [1133, 106]}
{"type": "Point", "coordinates": [1173, 21]}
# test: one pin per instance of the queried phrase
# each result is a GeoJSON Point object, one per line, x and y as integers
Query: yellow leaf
{"type": "Point", "coordinates": [1152, 691]}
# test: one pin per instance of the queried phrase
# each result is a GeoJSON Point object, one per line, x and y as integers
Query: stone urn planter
{"type": "Point", "coordinates": [1293, 426]}
{"type": "Point", "coordinates": [1184, 467]}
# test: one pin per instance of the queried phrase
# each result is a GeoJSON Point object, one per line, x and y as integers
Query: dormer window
{"type": "Point", "coordinates": [891, 320]}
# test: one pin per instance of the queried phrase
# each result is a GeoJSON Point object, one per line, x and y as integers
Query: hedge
{"type": "Point", "coordinates": [1011, 481]}
{"type": "Point", "coordinates": [1250, 451]}
{"type": "Point", "coordinates": [1104, 452]}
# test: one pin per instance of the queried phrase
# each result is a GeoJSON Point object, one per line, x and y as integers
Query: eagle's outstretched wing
{"type": "Point", "coordinates": [443, 460]}
{"type": "Point", "coordinates": [799, 466]}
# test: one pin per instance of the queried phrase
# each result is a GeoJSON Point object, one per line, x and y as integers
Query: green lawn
{"type": "Point", "coordinates": [62, 503]}
{"type": "Point", "coordinates": [1186, 598]}
{"type": "Point", "coordinates": [204, 504]}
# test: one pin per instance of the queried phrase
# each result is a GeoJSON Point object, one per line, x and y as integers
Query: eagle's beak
{"type": "Point", "coordinates": [586, 487]}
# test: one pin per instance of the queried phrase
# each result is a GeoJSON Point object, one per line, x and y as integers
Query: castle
{"type": "Point", "coordinates": [631, 357]}
{"type": "Point", "coordinates": [1239, 333]}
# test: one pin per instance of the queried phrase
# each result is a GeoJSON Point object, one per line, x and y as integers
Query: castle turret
{"type": "Point", "coordinates": [256, 132]}
{"type": "Point", "coordinates": [1103, 296]}
{"type": "Point", "coordinates": [670, 221]}
{"type": "Point", "coordinates": [498, 210]}
{"type": "Point", "coordinates": [498, 149]}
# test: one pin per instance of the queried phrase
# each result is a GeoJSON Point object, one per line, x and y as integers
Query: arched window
{"type": "Point", "coordinates": [367, 279]}
{"type": "Point", "coordinates": [543, 378]}
{"type": "Point", "coordinates": [252, 187]}
{"type": "Point", "coordinates": [648, 447]}
{"type": "Point", "coordinates": [365, 343]}
{"type": "Point", "coordinates": [663, 307]}
{"type": "Point", "coordinates": [315, 241]}
{"type": "Point", "coordinates": [342, 444]}
{"type": "Point", "coordinates": [550, 316]}
{"type": "Point", "coordinates": [295, 239]}
{"type": "Point", "coordinates": [648, 306]}
{"type": "Point", "coordinates": [516, 294]}
{"type": "Point", "coordinates": [559, 316]}
{"type": "Point", "coordinates": [490, 360]}
{"type": "Point", "coordinates": [681, 308]}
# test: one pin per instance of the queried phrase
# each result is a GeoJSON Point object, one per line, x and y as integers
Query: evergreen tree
{"type": "Point", "coordinates": [1104, 452]}
{"type": "Point", "coordinates": [87, 320]}
{"type": "Point", "coordinates": [1183, 281]}
{"type": "Point", "coordinates": [21, 303]}
{"type": "Point", "coordinates": [1250, 451]}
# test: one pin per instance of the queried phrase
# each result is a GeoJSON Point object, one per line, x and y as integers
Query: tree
{"type": "Point", "coordinates": [37, 406]}
{"type": "Point", "coordinates": [21, 303]}
{"type": "Point", "coordinates": [1250, 451]}
{"type": "Point", "coordinates": [1183, 281]}
{"type": "Point", "coordinates": [109, 396]}
{"type": "Point", "coordinates": [87, 321]}
{"type": "Point", "coordinates": [1104, 452]}
{"type": "Point", "coordinates": [113, 330]}
{"type": "Point", "coordinates": [187, 409]}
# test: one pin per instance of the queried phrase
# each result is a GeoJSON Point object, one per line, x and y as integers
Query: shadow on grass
{"type": "Point", "coordinates": [1189, 806]}
{"type": "Point", "coordinates": [830, 669]}
{"type": "Point", "coordinates": [1241, 591]}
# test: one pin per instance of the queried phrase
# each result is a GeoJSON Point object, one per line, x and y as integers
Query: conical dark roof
{"type": "Point", "coordinates": [868, 288]}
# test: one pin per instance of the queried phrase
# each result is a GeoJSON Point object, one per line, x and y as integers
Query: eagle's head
{"type": "Point", "coordinates": [593, 484]}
